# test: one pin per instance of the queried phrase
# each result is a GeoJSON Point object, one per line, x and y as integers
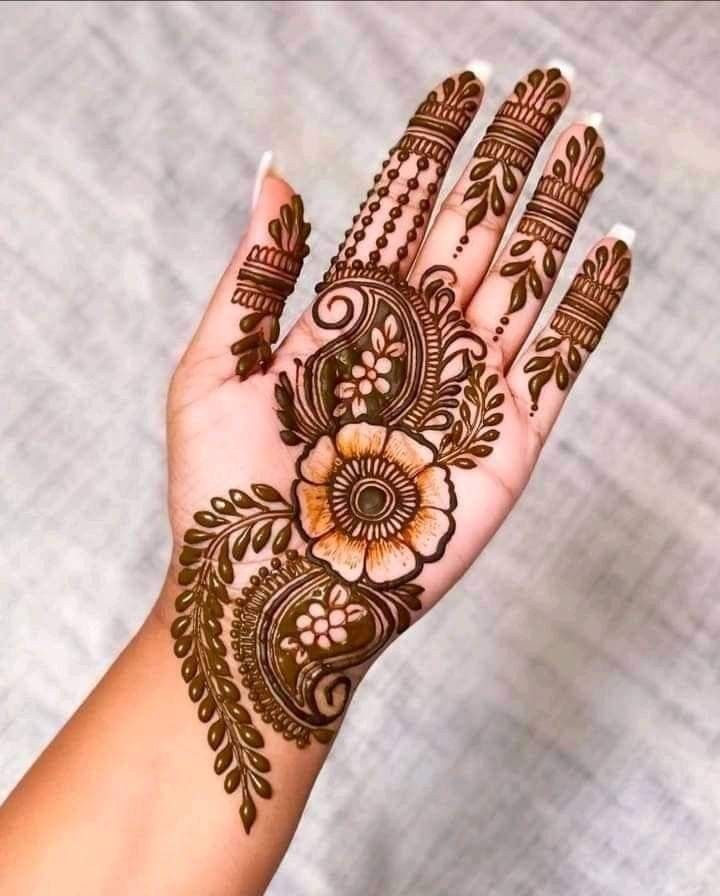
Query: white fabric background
{"type": "Point", "coordinates": [553, 727]}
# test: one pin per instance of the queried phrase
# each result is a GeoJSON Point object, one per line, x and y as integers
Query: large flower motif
{"type": "Point", "coordinates": [373, 503]}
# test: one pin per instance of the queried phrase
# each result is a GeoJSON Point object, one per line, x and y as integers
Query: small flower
{"type": "Point", "coordinates": [370, 375]}
{"type": "Point", "coordinates": [324, 624]}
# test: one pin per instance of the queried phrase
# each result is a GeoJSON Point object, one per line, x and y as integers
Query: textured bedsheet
{"type": "Point", "coordinates": [554, 726]}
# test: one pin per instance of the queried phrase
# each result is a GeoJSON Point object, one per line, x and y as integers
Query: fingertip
{"type": "Point", "coordinates": [623, 233]}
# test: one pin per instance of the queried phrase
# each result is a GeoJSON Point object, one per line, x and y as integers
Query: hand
{"type": "Point", "coordinates": [324, 496]}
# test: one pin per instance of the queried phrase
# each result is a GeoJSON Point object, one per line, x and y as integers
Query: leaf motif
{"type": "Point", "coordinates": [476, 215]}
{"type": "Point", "coordinates": [539, 362]}
{"type": "Point", "coordinates": [267, 493]}
{"type": "Point", "coordinates": [562, 377]}
{"type": "Point", "coordinates": [225, 567]}
{"type": "Point", "coordinates": [547, 342]}
{"type": "Point", "coordinates": [261, 536]}
{"type": "Point", "coordinates": [282, 539]}
{"type": "Point", "coordinates": [535, 386]}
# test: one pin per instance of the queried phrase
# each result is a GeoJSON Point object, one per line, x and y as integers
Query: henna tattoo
{"type": "Point", "coordinates": [398, 204]}
{"type": "Point", "coordinates": [380, 415]}
{"type": "Point", "coordinates": [264, 282]}
{"type": "Point", "coordinates": [580, 319]}
{"type": "Point", "coordinates": [243, 521]}
{"type": "Point", "coordinates": [551, 219]}
{"type": "Point", "coordinates": [507, 151]}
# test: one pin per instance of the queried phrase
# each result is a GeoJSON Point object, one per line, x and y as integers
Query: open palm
{"type": "Point", "coordinates": [324, 495]}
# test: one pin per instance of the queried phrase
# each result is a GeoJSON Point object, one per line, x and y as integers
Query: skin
{"type": "Point", "coordinates": [125, 798]}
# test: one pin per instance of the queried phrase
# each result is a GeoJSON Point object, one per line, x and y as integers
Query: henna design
{"type": "Point", "coordinates": [580, 319]}
{"type": "Point", "coordinates": [414, 168]}
{"type": "Point", "coordinates": [372, 500]}
{"type": "Point", "coordinates": [512, 141]}
{"type": "Point", "coordinates": [264, 282]}
{"type": "Point", "coordinates": [551, 219]}
{"type": "Point", "coordinates": [380, 415]}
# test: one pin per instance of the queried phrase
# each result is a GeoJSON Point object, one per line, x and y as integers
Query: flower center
{"type": "Point", "coordinates": [372, 500]}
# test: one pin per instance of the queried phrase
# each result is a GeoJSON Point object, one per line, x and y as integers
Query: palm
{"type": "Point", "coordinates": [359, 471]}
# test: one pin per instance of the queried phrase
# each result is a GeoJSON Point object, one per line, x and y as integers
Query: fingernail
{"type": "Point", "coordinates": [482, 69]}
{"type": "Point", "coordinates": [566, 69]}
{"type": "Point", "coordinates": [592, 119]}
{"type": "Point", "coordinates": [624, 233]}
{"type": "Point", "coordinates": [264, 166]}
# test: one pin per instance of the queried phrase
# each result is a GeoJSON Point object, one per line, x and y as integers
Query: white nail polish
{"type": "Point", "coordinates": [592, 119]}
{"type": "Point", "coordinates": [264, 165]}
{"type": "Point", "coordinates": [624, 233]}
{"type": "Point", "coordinates": [566, 69]}
{"type": "Point", "coordinates": [482, 69]}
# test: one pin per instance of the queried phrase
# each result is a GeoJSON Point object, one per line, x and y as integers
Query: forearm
{"type": "Point", "coordinates": [125, 799]}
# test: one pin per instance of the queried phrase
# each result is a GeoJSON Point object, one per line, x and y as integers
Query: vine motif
{"type": "Point", "coordinates": [223, 535]}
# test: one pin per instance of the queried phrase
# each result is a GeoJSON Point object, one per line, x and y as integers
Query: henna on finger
{"type": "Point", "coordinates": [550, 220]}
{"type": "Point", "coordinates": [511, 143]}
{"type": "Point", "coordinates": [265, 280]}
{"type": "Point", "coordinates": [579, 320]}
{"type": "Point", "coordinates": [392, 219]}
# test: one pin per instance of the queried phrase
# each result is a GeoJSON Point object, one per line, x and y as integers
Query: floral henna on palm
{"type": "Point", "coordinates": [265, 280]}
{"type": "Point", "coordinates": [506, 153]}
{"type": "Point", "coordinates": [551, 219]}
{"type": "Point", "coordinates": [580, 319]}
{"type": "Point", "coordinates": [379, 416]}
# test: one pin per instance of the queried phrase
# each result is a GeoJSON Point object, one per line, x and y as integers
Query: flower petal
{"type": "Point", "coordinates": [425, 530]}
{"type": "Point", "coordinates": [318, 466]}
{"type": "Point", "coordinates": [353, 612]}
{"type": "Point", "coordinates": [337, 617]}
{"type": "Point", "coordinates": [345, 390]}
{"type": "Point", "coordinates": [303, 621]}
{"type": "Point", "coordinates": [307, 638]}
{"type": "Point", "coordinates": [433, 485]}
{"type": "Point", "coordinates": [391, 326]}
{"type": "Point", "coordinates": [368, 358]}
{"type": "Point", "coordinates": [314, 503]}
{"type": "Point", "coordinates": [316, 610]}
{"type": "Point", "coordinates": [338, 634]}
{"type": "Point", "coordinates": [407, 453]}
{"type": "Point", "coordinates": [389, 559]}
{"type": "Point", "coordinates": [382, 385]}
{"type": "Point", "coordinates": [344, 554]}
{"type": "Point", "coordinates": [358, 371]}
{"type": "Point", "coordinates": [360, 440]}
{"type": "Point", "coordinates": [339, 595]}
{"type": "Point", "coordinates": [324, 642]}
{"type": "Point", "coordinates": [383, 365]}
{"type": "Point", "coordinates": [365, 387]}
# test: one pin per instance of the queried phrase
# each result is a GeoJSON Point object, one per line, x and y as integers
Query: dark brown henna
{"type": "Point", "coordinates": [507, 151]}
{"type": "Point", "coordinates": [264, 282]}
{"type": "Point", "coordinates": [580, 319]}
{"type": "Point", "coordinates": [551, 218]}
{"type": "Point", "coordinates": [398, 204]}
